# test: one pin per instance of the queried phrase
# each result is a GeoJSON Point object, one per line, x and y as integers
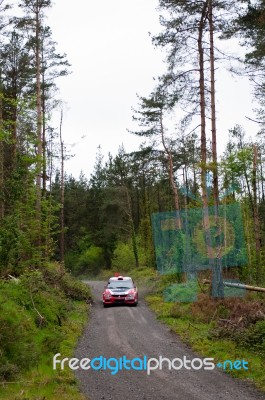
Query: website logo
{"type": "Point", "coordinates": [115, 365]}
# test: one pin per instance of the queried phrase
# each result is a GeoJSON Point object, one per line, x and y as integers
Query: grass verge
{"type": "Point", "coordinates": [53, 311]}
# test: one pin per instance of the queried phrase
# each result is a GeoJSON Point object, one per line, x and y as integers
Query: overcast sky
{"type": "Point", "coordinates": [112, 57]}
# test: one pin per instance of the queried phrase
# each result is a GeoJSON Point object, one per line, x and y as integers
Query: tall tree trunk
{"type": "Point", "coordinates": [14, 106]}
{"type": "Point", "coordinates": [255, 212]}
{"type": "Point", "coordinates": [39, 111]}
{"type": "Point", "coordinates": [262, 181]}
{"type": "Point", "coordinates": [62, 193]}
{"type": "Point", "coordinates": [187, 259]}
{"type": "Point", "coordinates": [2, 203]}
{"type": "Point", "coordinates": [217, 278]}
{"type": "Point", "coordinates": [185, 177]}
{"type": "Point", "coordinates": [50, 196]}
{"type": "Point", "coordinates": [213, 112]}
{"type": "Point", "coordinates": [44, 166]}
{"type": "Point", "coordinates": [205, 203]}
{"type": "Point", "coordinates": [203, 119]}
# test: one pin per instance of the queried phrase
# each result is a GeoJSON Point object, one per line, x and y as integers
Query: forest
{"type": "Point", "coordinates": [105, 220]}
{"type": "Point", "coordinates": [108, 216]}
{"type": "Point", "coordinates": [53, 225]}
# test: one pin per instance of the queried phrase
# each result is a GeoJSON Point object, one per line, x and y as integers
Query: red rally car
{"type": "Point", "coordinates": [120, 290]}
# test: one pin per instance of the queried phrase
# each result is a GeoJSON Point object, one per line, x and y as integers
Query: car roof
{"type": "Point", "coordinates": [120, 278]}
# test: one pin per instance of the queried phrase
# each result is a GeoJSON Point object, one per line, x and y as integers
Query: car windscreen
{"type": "Point", "coordinates": [120, 285]}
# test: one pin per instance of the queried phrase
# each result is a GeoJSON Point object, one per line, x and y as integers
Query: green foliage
{"type": "Point", "coordinates": [9, 243]}
{"type": "Point", "coordinates": [17, 332]}
{"type": "Point", "coordinates": [144, 276]}
{"type": "Point", "coordinates": [87, 262]}
{"type": "Point", "coordinates": [146, 247]}
{"type": "Point", "coordinates": [33, 312]}
{"type": "Point", "coordinates": [90, 261]}
{"type": "Point", "coordinates": [254, 338]}
{"type": "Point", "coordinates": [42, 381]}
{"type": "Point", "coordinates": [74, 289]}
{"type": "Point", "coordinates": [71, 260]}
{"type": "Point", "coordinates": [123, 257]}
{"type": "Point", "coordinates": [250, 26]}
{"type": "Point", "coordinates": [182, 292]}
{"type": "Point", "coordinates": [24, 242]}
{"type": "Point", "coordinates": [251, 337]}
{"type": "Point", "coordinates": [56, 275]}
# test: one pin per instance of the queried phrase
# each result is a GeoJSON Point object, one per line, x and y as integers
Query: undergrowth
{"type": "Point", "coordinates": [227, 329]}
{"type": "Point", "coordinates": [42, 312]}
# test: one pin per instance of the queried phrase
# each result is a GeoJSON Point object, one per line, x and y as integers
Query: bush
{"type": "Point", "coordinates": [7, 370]}
{"type": "Point", "coordinates": [177, 311]}
{"type": "Point", "coordinates": [56, 275]}
{"type": "Point", "coordinates": [207, 309]}
{"type": "Point", "coordinates": [75, 289]}
{"type": "Point", "coordinates": [71, 261]}
{"type": "Point", "coordinates": [90, 261]}
{"type": "Point", "coordinates": [123, 257]}
{"type": "Point", "coordinates": [253, 338]}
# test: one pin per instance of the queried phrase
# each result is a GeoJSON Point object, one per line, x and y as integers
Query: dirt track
{"type": "Point", "coordinates": [134, 332]}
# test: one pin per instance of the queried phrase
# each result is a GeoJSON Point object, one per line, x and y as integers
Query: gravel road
{"type": "Point", "coordinates": [134, 332]}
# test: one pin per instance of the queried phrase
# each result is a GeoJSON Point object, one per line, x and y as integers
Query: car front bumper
{"type": "Point", "coordinates": [119, 299]}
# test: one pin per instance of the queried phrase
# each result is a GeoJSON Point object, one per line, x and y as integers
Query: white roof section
{"type": "Point", "coordinates": [120, 278]}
